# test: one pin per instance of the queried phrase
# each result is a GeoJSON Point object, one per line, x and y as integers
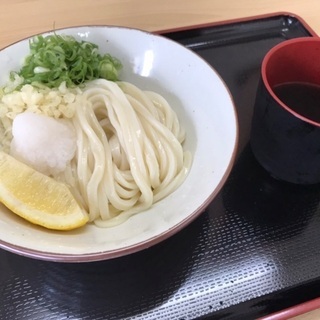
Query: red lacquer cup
{"type": "Point", "coordinates": [285, 131]}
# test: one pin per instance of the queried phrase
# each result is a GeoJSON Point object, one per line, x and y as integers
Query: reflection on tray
{"type": "Point", "coordinates": [137, 282]}
{"type": "Point", "coordinates": [267, 202]}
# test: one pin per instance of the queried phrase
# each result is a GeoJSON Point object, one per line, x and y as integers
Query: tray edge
{"type": "Point", "coordinates": [240, 20]}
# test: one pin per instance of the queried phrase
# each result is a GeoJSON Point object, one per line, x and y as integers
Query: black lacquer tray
{"type": "Point", "coordinates": [255, 250]}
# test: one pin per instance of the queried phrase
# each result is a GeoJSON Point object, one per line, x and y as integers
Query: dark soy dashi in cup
{"type": "Point", "coordinates": [285, 129]}
{"type": "Point", "coordinates": [303, 98]}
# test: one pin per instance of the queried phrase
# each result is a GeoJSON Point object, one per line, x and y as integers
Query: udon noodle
{"type": "Point", "coordinates": [129, 151]}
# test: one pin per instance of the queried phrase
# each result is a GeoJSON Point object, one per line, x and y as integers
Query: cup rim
{"type": "Point", "coordinates": [266, 82]}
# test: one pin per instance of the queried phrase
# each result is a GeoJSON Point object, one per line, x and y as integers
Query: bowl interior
{"type": "Point", "coordinates": [206, 110]}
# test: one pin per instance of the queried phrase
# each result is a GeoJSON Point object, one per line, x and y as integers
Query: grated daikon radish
{"type": "Point", "coordinates": [44, 143]}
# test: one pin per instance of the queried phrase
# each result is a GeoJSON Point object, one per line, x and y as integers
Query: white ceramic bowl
{"type": "Point", "coordinates": [205, 108]}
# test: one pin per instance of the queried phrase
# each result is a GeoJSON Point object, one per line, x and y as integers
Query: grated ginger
{"type": "Point", "coordinates": [57, 103]}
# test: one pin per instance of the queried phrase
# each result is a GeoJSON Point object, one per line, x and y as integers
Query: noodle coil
{"type": "Point", "coordinates": [129, 151]}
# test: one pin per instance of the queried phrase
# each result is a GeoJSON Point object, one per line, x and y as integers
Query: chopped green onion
{"type": "Point", "coordinates": [57, 58]}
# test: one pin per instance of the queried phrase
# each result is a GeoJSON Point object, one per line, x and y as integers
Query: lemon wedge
{"type": "Point", "coordinates": [38, 198]}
